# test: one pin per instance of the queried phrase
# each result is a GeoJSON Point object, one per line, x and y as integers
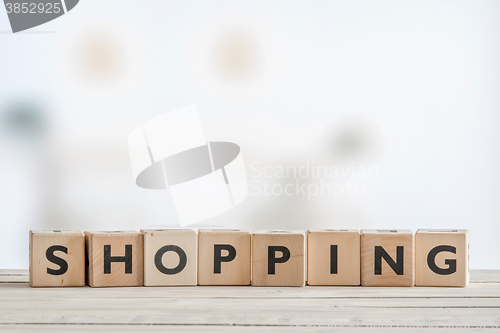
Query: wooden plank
{"type": "Point", "coordinates": [216, 328]}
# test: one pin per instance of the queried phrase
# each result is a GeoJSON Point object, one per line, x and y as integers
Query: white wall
{"type": "Point", "coordinates": [408, 89]}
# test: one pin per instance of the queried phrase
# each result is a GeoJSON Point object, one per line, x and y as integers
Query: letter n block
{"type": "Point", "coordinates": [442, 257]}
{"type": "Point", "coordinates": [387, 258]}
{"type": "Point", "coordinates": [224, 257]}
{"type": "Point", "coordinates": [170, 257]}
{"type": "Point", "coordinates": [57, 258]}
{"type": "Point", "coordinates": [333, 257]}
{"type": "Point", "coordinates": [115, 258]}
{"type": "Point", "coordinates": [278, 258]}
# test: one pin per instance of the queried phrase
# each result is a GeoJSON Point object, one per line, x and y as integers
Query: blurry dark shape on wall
{"type": "Point", "coordinates": [355, 139]}
{"type": "Point", "coordinates": [24, 120]}
{"type": "Point", "coordinates": [236, 56]}
{"type": "Point", "coordinates": [100, 57]}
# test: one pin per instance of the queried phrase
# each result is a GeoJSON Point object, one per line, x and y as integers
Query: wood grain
{"type": "Point", "coordinates": [73, 242]}
{"type": "Point", "coordinates": [95, 242]}
{"type": "Point", "coordinates": [184, 239]}
{"type": "Point", "coordinates": [234, 272]}
{"type": "Point", "coordinates": [427, 240]}
{"type": "Point", "coordinates": [347, 266]}
{"type": "Point", "coordinates": [289, 273]}
{"type": "Point", "coordinates": [389, 240]}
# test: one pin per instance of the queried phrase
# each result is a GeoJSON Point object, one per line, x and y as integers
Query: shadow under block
{"type": "Point", "coordinates": [278, 258]}
{"type": "Point", "coordinates": [57, 258]}
{"type": "Point", "coordinates": [333, 257]}
{"type": "Point", "coordinates": [170, 257]}
{"type": "Point", "coordinates": [224, 257]}
{"type": "Point", "coordinates": [115, 258]}
{"type": "Point", "coordinates": [387, 258]}
{"type": "Point", "coordinates": [442, 257]}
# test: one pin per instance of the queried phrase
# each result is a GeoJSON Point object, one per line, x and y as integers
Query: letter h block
{"type": "Point", "coordinates": [278, 258]}
{"type": "Point", "coordinates": [442, 258]}
{"type": "Point", "coordinates": [115, 258]}
{"type": "Point", "coordinates": [224, 257]}
{"type": "Point", "coordinates": [387, 258]}
{"type": "Point", "coordinates": [57, 258]}
{"type": "Point", "coordinates": [170, 257]}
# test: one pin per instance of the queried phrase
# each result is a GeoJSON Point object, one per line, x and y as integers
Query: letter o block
{"type": "Point", "coordinates": [278, 258]}
{"type": "Point", "coordinates": [387, 258]}
{"type": "Point", "coordinates": [170, 257]}
{"type": "Point", "coordinates": [442, 258]}
{"type": "Point", "coordinates": [224, 257]}
{"type": "Point", "coordinates": [115, 258]}
{"type": "Point", "coordinates": [57, 258]}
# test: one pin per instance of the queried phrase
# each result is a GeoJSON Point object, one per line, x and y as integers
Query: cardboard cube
{"type": "Point", "coordinates": [115, 258]}
{"type": "Point", "coordinates": [224, 257]}
{"type": "Point", "coordinates": [278, 258]}
{"type": "Point", "coordinates": [442, 257]}
{"type": "Point", "coordinates": [333, 257]}
{"type": "Point", "coordinates": [57, 258]}
{"type": "Point", "coordinates": [387, 258]}
{"type": "Point", "coordinates": [170, 257]}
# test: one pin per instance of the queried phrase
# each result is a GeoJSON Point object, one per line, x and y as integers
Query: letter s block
{"type": "Point", "coordinates": [278, 258]}
{"type": "Point", "coordinates": [170, 257]}
{"type": "Point", "coordinates": [387, 258]}
{"type": "Point", "coordinates": [442, 257]}
{"type": "Point", "coordinates": [57, 258]}
{"type": "Point", "coordinates": [115, 258]}
{"type": "Point", "coordinates": [224, 257]}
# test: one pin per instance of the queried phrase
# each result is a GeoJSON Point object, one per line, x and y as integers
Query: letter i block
{"type": "Point", "coordinates": [278, 258]}
{"type": "Point", "coordinates": [170, 257]}
{"type": "Point", "coordinates": [442, 257]}
{"type": "Point", "coordinates": [115, 258]}
{"type": "Point", "coordinates": [387, 258]}
{"type": "Point", "coordinates": [224, 257]}
{"type": "Point", "coordinates": [57, 258]}
{"type": "Point", "coordinates": [333, 257]}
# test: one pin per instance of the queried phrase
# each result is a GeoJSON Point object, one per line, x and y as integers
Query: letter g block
{"type": "Point", "coordinates": [57, 258]}
{"type": "Point", "coordinates": [442, 257]}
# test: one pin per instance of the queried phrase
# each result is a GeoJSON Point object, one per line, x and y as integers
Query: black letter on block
{"type": "Point", "coordinates": [108, 259]}
{"type": "Point", "coordinates": [56, 260]}
{"type": "Point", "coordinates": [397, 266]}
{"type": "Point", "coordinates": [218, 258]}
{"type": "Point", "coordinates": [182, 259]}
{"type": "Point", "coordinates": [452, 263]}
{"type": "Point", "coordinates": [333, 259]}
{"type": "Point", "coordinates": [272, 260]}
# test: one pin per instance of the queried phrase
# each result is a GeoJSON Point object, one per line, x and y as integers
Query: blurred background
{"type": "Point", "coordinates": [408, 90]}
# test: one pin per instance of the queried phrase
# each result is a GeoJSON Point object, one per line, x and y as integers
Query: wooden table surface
{"type": "Point", "coordinates": [215, 309]}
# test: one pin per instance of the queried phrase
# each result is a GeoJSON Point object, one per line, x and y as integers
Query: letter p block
{"type": "Point", "coordinates": [57, 258]}
{"type": "Point", "coordinates": [224, 257]}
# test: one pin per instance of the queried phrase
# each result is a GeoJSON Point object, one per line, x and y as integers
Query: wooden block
{"type": "Point", "coordinates": [333, 257]}
{"type": "Point", "coordinates": [170, 257]}
{"type": "Point", "coordinates": [442, 257]}
{"type": "Point", "coordinates": [224, 257]}
{"type": "Point", "coordinates": [115, 258]}
{"type": "Point", "coordinates": [278, 258]}
{"type": "Point", "coordinates": [387, 258]}
{"type": "Point", "coordinates": [57, 258]}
